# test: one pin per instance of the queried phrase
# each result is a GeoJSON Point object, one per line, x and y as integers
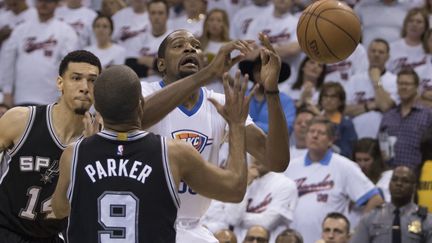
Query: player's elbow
{"type": "Point", "coordinates": [60, 209]}
{"type": "Point", "coordinates": [237, 192]}
{"type": "Point", "coordinates": [279, 164]}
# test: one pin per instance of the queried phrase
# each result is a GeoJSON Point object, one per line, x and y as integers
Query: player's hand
{"type": "Point", "coordinates": [223, 61]}
{"type": "Point", "coordinates": [91, 125]}
{"type": "Point", "coordinates": [236, 108]}
{"type": "Point", "coordinates": [375, 74]}
{"type": "Point", "coordinates": [270, 64]}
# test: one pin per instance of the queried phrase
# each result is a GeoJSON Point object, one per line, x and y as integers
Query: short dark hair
{"type": "Point", "coordinates": [410, 71]}
{"type": "Point", "coordinates": [79, 56]}
{"type": "Point", "coordinates": [164, 43]}
{"type": "Point", "coordinates": [117, 94]}
{"type": "Point", "coordinates": [331, 127]}
{"type": "Point", "coordinates": [339, 91]}
{"type": "Point", "coordinates": [290, 232]}
{"type": "Point", "coordinates": [336, 215]}
{"type": "Point", "coordinates": [380, 40]}
{"type": "Point", "coordinates": [159, 1]}
{"type": "Point", "coordinates": [101, 16]}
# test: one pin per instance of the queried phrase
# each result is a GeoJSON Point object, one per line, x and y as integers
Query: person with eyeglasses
{"type": "Point", "coordinates": [257, 234]}
{"type": "Point", "coordinates": [403, 127]}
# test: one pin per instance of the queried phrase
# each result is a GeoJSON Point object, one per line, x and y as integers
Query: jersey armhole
{"type": "Point", "coordinates": [26, 132]}
{"type": "Point", "coordinates": [74, 162]}
{"type": "Point", "coordinates": [168, 176]}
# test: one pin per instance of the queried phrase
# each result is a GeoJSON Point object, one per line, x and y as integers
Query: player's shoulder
{"type": "Point", "coordinates": [17, 114]}
{"type": "Point", "coordinates": [338, 160]}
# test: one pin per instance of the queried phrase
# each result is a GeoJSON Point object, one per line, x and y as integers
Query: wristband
{"type": "Point", "coordinates": [271, 92]}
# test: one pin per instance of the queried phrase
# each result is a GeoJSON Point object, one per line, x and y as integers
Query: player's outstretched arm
{"type": "Point", "coordinates": [12, 126]}
{"type": "Point", "coordinates": [60, 202]}
{"type": "Point", "coordinates": [228, 184]}
{"type": "Point", "coordinates": [160, 103]}
{"type": "Point", "coordinates": [272, 148]}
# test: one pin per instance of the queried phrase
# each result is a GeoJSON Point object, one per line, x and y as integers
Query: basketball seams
{"type": "Point", "coordinates": [307, 25]}
{"type": "Point", "coordinates": [338, 26]}
{"type": "Point", "coordinates": [323, 41]}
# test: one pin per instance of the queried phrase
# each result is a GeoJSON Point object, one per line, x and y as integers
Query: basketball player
{"type": "Point", "coordinates": [197, 122]}
{"type": "Point", "coordinates": [124, 181]}
{"type": "Point", "coordinates": [35, 137]}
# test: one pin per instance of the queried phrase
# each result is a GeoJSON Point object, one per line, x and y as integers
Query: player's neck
{"type": "Point", "coordinates": [279, 14]}
{"type": "Point", "coordinates": [104, 44]}
{"type": "Point", "coordinates": [156, 32]}
{"type": "Point", "coordinates": [67, 124]}
{"type": "Point", "coordinates": [139, 10]}
{"type": "Point", "coordinates": [123, 128]}
{"type": "Point", "coordinates": [45, 17]}
{"type": "Point", "coordinates": [412, 41]}
{"type": "Point", "coordinates": [317, 156]}
{"type": "Point", "coordinates": [192, 100]}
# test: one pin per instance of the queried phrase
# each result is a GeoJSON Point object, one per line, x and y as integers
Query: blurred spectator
{"type": "Point", "coordinates": [269, 201]}
{"type": "Point", "coordinates": [289, 236]}
{"type": "Point", "coordinates": [225, 236]}
{"type": "Point", "coordinates": [3, 109]}
{"type": "Point", "coordinates": [111, 7]}
{"type": "Point", "coordinates": [342, 71]}
{"type": "Point", "coordinates": [332, 102]}
{"type": "Point", "coordinates": [18, 13]}
{"type": "Point", "coordinates": [108, 52]}
{"type": "Point", "coordinates": [257, 234]}
{"type": "Point", "coordinates": [428, 7]}
{"type": "Point", "coordinates": [326, 182]}
{"type": "Point", "coordinates": [399, 221]}
{"type": "Point", "coordinates": [281, 28]}
{"type": "Point", "coordinates": [150, 41]}
{"type": "Point", "coordinates": [298, 141]}
{"type": "Point", "coordinates": [402, 127]}
{"type": "Point", "coordinates": [229, 6]}
{"type": "Point", "coordinates": [425, 73]}
{"type": "Point", "coordinates": [367, 155]}
{"type": "Point", "coordinates": [128, 24]}
{"type": "Point", "coordinates": [335, 229]}
{"type": "Point", "coordinates": [193, 20]}
{"type": "Point", "coordinates": [31, 56]}
{"type": "Point", "coordinates": [381, 19]}
{"type": "Point", "coordinates": [258, 109]}
{"type": "Point", "coordinates": [215, 34]}
{"type": "Point", "coordinates": [304, 91]}
{"type": "Point", "coordinates": [409, 51]}
{"type": "Point", "coordinates": [80, 18]}
{"type": "Point", "coordinates": [176, 9]}
{"type": "Point", "coordinates": [372, 92]}
{"type": "Point", "coordinates": [243, 18]}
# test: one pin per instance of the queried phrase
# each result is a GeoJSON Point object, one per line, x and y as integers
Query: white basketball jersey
{"type": "Point", "coordinates": [204, 128]}
{"type": "Point", "coordinates": [81, 20]}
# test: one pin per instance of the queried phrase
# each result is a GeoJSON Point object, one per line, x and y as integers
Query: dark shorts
{"type": "Point", "coordinates": [7, 236]}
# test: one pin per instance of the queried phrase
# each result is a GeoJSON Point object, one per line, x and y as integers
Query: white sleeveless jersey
{"type": "Point", "coordinates": [114, 55]}
{"type": "Point", "coordinates": [204, 128]}
{"type": "Point", "coordinates": [128, 25]}
{"type": "Point", "coordinates": [81, 20]}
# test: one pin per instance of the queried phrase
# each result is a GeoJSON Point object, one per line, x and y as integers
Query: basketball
{"type": "Point", "coordinates": [328, 31]}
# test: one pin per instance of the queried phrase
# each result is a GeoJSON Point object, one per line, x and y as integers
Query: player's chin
{"type": "Point", "coordinates": [81, 110]}
{"type": "Point", "coordinates": [188, 72]}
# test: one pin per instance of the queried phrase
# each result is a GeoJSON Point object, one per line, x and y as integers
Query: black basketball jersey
{"type": "Point", "coordinates": [122, 188]}
{"type": "Point", "coordinates": [30, 177]}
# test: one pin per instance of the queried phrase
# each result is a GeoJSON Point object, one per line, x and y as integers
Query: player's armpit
{"type": "Point", "coordinates": [202, 176]}
{"type": "Point", "coordinates": [60, 203]}
{"type": "Point", "coordinates": [13, 124]}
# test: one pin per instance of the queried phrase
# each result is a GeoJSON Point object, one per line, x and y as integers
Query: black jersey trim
{"type": "Point", "coordinates": [168, 176]}
{"type": "Point", "coordinates": [51, 130]}
{"type": "Point", "coordinates": [74, 162]}
{"type": "Point", "coordinates": [130, 136]}
{"type": "Point", "coordinates": [26, 133]}
{"type": "Point", "coordinates": [6, 170]}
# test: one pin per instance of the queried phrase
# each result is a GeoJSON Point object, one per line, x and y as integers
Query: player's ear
{"type": "Point", "coordinates": [160, 63]}
{"type": "Point", "coordinates": [60, 84]}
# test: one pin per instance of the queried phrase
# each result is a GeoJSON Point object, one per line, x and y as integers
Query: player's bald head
{"type": "Point", "coordinates": [117, 93]}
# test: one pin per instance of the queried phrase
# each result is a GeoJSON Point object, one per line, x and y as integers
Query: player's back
{"type": "Point", "coordinates": [30, 177]}
{"type": "Point", "coordinates": [122, 188]}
